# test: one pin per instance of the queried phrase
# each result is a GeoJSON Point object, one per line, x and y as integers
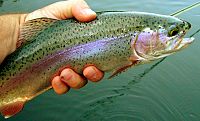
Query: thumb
{"type": "Point", "coordinates": [65, 9]}
{"type": "Point", "coordinates": [82, 12]}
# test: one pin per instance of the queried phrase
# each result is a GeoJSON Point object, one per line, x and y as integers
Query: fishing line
{"type": "Point", "coordinates": [195, 33]}
{"type": "Point", "coordinates": [186, 9]}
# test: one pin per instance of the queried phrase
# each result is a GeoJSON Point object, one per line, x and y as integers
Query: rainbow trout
{"type": "Point", "coordinates": [113, 42]}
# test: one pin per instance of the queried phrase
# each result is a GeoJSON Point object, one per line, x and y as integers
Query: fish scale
{"type": "Point", "coordinates": [47, 45]}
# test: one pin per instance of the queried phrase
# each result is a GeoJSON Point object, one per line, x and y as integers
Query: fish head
{"type": "Point", "coordinates": [160, 40]}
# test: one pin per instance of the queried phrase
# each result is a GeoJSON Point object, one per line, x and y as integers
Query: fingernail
{"type": "Point", "coordinates": [88, 11]}
{"type": "Point", "coordinates": [66, 75]}
{"type": "Point", "coordinates": [92, 72]}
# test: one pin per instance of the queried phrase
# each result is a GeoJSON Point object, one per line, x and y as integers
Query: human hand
{"type": "Point", "coordinates": [61, 10]}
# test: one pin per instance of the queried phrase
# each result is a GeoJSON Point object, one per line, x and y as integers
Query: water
{"type": "Point", "coordinates": [168, 91]}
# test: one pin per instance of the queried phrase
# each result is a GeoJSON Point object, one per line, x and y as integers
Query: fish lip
{"type": "Point", "coordinates": [180, 38]}
{"type": "Point", "coordinates": [180, 44]}
{"type": "Point", "coordinates": [183, 41]}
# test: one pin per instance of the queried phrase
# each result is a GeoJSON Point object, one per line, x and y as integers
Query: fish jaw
{"type": "Point", "coordinates": [185, 43]}
{"type": "Point", "coordinates": [181, 44]}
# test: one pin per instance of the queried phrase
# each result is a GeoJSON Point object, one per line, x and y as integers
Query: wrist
{"type": "Point", "coordinates": [9, 33]}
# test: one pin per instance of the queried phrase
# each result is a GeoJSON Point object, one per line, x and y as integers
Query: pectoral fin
{"type": "Point", "coordinates": [133, 60]}
{"type": "Point", "coordinates": [11, 109]}
{"type": "Point", "coordinates": [120, 70]}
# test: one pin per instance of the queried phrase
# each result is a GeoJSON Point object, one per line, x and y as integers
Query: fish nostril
{"type": "Point", "coordinates": [188, 25]}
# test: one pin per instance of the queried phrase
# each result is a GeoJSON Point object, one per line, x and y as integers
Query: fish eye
{"type": "Point", "coordinates": [173, 31]}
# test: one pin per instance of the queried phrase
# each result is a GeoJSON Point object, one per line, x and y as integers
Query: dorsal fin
{"type": "Point", "coordinates": [33, 27]}
{"type": "Point", "coordinates": [108, 11]}
{"type": "Point", "coordinates": [100, 12]}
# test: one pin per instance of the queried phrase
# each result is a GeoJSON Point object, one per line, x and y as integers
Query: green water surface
{"type": "Point", "coordinates": [168, 91]}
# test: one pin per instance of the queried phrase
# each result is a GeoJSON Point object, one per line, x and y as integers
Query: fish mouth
{"type": "Point", "coordinates": [181, 42]}
{"type": "Point", "coordinates": [184, 43]}
{"type": "Point", "coordinates": [176, 44]}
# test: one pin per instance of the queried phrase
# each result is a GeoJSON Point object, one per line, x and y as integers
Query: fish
{"type": "Point", "coordinates": [113, 42]}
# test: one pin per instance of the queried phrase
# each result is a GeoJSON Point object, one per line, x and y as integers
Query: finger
{"type": "Point", "coordinates": [82, 12]}
{"type": "Point", "coordinates": [93, 74]}
{"type": "Point", "coordinates": [59, 86]}
{"type": "Point", "coordinates": [72, 79]}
